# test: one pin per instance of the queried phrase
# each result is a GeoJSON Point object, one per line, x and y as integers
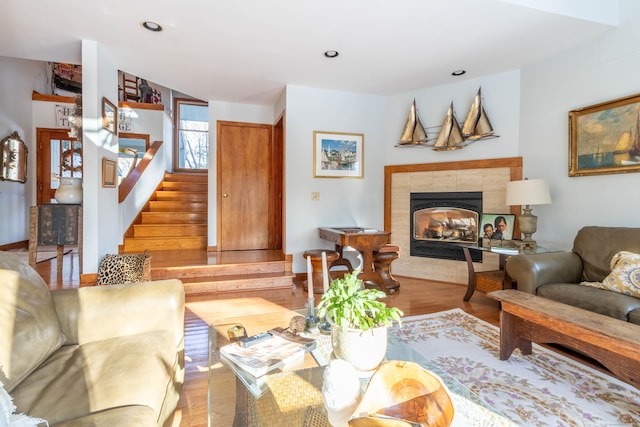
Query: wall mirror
{"type": "Point", "coordinates": [14, 159]}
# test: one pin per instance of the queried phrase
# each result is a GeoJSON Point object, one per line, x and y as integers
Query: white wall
{"type": "Point", "coordinates": [501, 100]}
{"type": "Point", "coordinates": [18, 79]}
{"type": "Point", "coordinates": [343, 201]}
{"type": "Point", "coordinates": [140, 194]}
{"type": "Point", "coordinates": [604, 69]}
{"type": "Point", "coordinates": [101, 230]}
{"type": "Point", "coordinates": [227, 111]}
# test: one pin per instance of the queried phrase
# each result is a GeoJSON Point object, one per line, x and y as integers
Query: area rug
{"type": "Point", "coordinates": [542, 389]}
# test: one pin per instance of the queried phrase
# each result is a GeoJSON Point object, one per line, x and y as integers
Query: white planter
{"type": "Point", "coordinates": [69, 191]}
{"type": "Point", "coordinates": [364, 350]}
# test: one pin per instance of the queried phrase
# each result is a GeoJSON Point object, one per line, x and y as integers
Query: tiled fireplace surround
{"type": "Point", "coordinates": [488, 176]}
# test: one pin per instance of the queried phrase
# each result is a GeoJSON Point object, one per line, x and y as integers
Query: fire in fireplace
{"type": "Point", "coordinates": [441, 219]}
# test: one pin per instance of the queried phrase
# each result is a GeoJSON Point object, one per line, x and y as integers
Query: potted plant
{"type": "Point", "coordinates": [359, 321]}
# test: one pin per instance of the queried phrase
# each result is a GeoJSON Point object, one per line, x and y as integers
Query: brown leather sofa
{"type": "Point", "coordinates": [557, 275]}
{"type": "Point", "coordinates": [92, 356]}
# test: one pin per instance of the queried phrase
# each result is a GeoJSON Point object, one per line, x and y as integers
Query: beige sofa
{"type": "Point", "coordinates": [94, 356]}
{"type": "Point", "coordinates": [557, 275]}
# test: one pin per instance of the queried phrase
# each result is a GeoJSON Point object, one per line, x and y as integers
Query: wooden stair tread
{"type": "Point", "coordinates": [232, 277]}
{"type": "Point", "coordinates": [177, 206]}
{"type": "Point", "coordinates": [219, 270]}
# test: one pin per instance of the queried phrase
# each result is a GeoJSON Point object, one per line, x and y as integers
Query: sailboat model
{"type": "Point", "coordinates": [450, 136]}
{"type": "Point", "coordinates": [413, 133]}
{"type": "Point", "coordinates": [477, 125]}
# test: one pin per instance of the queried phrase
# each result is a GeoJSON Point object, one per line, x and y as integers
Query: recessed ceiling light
{"type": "Point", "coordinates": [331, 53]}
{"type": "Point", "coordinates": [152, 26]}
{"type": "Point", "coordinates": [458, 73]}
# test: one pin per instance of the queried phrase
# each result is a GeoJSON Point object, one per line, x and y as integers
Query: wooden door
{"type": "Point", "coordinates": [57, 155]}
{"type": "Point", "coordinates": [244, 165]}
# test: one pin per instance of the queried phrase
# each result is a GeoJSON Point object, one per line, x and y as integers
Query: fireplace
{"type": "Point", "coordinates": [439, 220]}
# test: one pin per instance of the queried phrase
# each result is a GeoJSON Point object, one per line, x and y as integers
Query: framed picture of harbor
{"type": "Point", "coordinates": [338, 155]}
{"type": "Point", "coordinates": [605, 138]}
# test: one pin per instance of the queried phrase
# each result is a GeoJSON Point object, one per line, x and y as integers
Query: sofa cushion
{"type": "Point", "coordinates": [135, 415]}
{"type": "Point", "coordinates": [634, 316]}
{"type": "Point", "coordinates": [624, 276]}
{"type": "Point", "coordinates": [597, 245]}
{"type": "Point", "coordinates": [612, 304]}
{"type": "Point", "coordinates": [29, 328]}
{"type": "Point", "coordinates": [98, 376]}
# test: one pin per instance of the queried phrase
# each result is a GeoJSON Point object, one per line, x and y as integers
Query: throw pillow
{"type": "Point", "coordinates": [123, 268]}
{"type": "Point", "coordinates": [624, 277]}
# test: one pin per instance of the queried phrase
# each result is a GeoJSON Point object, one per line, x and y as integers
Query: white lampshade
{"type": "Point", "coordinates": [528, 192]}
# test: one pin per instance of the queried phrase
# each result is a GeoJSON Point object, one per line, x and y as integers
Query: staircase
{"type": "Point", "coordinates": [173, 227]}
{"type": "Point", "coordinates": [175, 218]}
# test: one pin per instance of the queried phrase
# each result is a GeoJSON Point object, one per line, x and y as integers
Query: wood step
{"type": "Point", "coordinates": [163, 243]}
{"type": "Point", "coordinates": [186, 177]}
{"type": "Point", "coordinates": [203, 285]}
{"type": "Point", "coordinates": [218, 270]}
{"type": "Point", "coordinates": [190, 196]}
{"type": "Point", "coordinates": [174, 218]}
{"type": "Point", "coordinates": [172, 230]}
{"type": "Point", "coordinates": [177, 206]}
{"type": "Point", "coordinates": [186, 186]}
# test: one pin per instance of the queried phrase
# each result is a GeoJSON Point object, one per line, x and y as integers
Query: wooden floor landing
{"type": "Point", "coordinates": [200, 271]}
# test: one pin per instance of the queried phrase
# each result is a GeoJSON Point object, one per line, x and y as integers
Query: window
{"type": "Point", "coordinates": [192, 135]}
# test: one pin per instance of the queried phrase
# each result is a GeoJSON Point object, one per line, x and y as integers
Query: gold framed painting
{"type": "Point", "coordinates": [605, 138]}
{"type": "Point", "coordinates": [109, 172]}
{"type": "Point", "coordinates": [109, 116]}
{"type": "Point", "coordinates": [338, 155]}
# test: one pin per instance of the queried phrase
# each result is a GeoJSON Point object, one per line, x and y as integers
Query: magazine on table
{"type": "Point", "coordinates": [277, 351]}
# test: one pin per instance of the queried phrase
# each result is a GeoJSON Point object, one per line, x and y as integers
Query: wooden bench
{"type": "Point", "coordinates": [527, 318]}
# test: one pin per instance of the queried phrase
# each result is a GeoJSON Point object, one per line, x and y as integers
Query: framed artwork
{"type": "Point", "coordinates": [109, 116]}
{"type": "Point", "coordinates": [605, 138]}
{"type": "Point", "coordinates": [338, 155]}
{"type": "Point", "coordinates": [497, 226]}
{"type": "Point", "coordinates": [109, 172]}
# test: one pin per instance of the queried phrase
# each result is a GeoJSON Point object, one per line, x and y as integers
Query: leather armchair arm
{"type": "Point", "coordinates": [101, 312]}
{"type": "Point", "coordinates": [531, 271]}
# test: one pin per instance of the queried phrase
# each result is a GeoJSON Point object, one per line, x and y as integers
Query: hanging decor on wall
{"type": "Point", "coordinates": [413, 133]}
{"type": "Point", "coordinates": [476, 127]}
{"type": "Point", "coordinates": [450, 136]}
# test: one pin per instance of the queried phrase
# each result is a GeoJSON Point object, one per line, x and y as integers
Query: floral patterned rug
{"type": "Point", "coordinates": [542, 389]}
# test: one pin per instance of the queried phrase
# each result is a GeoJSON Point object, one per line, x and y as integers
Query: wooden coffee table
{"type": "Point", "coordinates": [527, 318]}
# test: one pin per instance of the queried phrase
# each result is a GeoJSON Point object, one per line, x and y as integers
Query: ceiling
{"type": "Point", "coordinates": [246, 51]}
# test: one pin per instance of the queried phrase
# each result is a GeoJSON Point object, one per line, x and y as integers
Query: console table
{"type": "Point", "coordinates": [366, 241]}
{"type": "Point", "coordinates": [57, 225]}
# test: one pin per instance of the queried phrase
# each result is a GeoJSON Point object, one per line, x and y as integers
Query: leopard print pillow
{"type": "Point", "coordinates": [121, 269]}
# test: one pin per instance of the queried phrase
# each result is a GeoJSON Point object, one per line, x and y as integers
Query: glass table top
{"type": "Point", "coordinates": [294, 397]}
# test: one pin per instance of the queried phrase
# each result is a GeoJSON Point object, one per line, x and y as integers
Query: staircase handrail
{"type": "Point", "coordinates": [132, 178]}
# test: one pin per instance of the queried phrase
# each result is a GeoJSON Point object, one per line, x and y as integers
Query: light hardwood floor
{"type": "Point", "coordinates": [415, 297]}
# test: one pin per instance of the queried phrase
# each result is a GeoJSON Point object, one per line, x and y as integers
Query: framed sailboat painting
{"type": "Point", "coordinates": [338, 155]}
{"type": "Point", "coordinates": [605, 138]}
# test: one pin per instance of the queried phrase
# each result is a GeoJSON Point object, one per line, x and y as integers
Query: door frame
{"type": "Point", "coordinates": [43, 162]}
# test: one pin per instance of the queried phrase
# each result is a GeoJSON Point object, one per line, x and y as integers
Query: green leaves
{"type": "Point", "coordinates": [348, 304]}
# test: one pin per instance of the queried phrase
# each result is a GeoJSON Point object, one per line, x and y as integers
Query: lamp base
{"type": "Point", "coordinates": [528, 226]}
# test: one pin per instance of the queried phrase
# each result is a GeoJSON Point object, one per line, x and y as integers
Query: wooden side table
{"type": "Point", "coordinates": [57, 225]}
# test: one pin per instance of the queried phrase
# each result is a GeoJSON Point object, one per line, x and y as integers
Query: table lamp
{"type": "Point", "coordinates": [525, 193]}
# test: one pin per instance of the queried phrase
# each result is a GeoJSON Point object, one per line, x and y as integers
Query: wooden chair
{"type": "Point", "coordinates": [130, 88]}
{"type": "Point", "coordinates": [483, 281]}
